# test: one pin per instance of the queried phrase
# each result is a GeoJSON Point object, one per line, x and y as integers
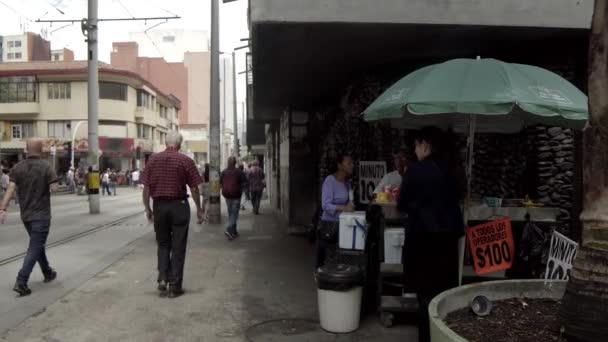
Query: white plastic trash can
{"type": "Point", "coordinates": [339, 292]}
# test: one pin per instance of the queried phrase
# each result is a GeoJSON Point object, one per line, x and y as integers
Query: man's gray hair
{"type": "Point", "coordinates": [174, 138]}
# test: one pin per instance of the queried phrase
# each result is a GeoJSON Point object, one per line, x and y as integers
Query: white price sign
{"type": "Point", "coordinates": [561, 256]}
{"type": "Point", "coordinates": [370, 175]}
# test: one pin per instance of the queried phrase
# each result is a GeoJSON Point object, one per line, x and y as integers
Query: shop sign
{"type": "Point", "coordinates": [492, 246]}
{"type": "Point", "coordinates": [370, 175]}
{"type": "Point", "coordinates": [561, 256]}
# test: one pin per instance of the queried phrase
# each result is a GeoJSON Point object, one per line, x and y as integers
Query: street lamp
{"type": "Point", "coordinates": [73, 140]}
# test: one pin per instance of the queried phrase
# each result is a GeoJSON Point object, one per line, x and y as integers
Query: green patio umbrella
{"type": "Point", "coordinates": [482, 95]}
{"type": "Point", "coordinates": [504, 97]}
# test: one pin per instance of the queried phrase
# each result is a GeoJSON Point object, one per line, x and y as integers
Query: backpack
{"type": "Point", "coordinates": [231, 184]}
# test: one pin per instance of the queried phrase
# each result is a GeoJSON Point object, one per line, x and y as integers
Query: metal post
{"type": "Point", "coordinates": [214, 118]}
{"type": "Point", "coordinates": [234, 115]}
{"type": "Point", "coordinates": [223, 150]}
{"type": "Point", "coordinates": [93, 114]}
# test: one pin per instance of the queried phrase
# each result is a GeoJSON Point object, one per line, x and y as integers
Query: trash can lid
{"type": "Point", "coordinates": [340, 273]}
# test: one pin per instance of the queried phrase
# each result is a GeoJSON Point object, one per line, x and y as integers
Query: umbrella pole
{"type": "Point", "coordinates": [467, 200]}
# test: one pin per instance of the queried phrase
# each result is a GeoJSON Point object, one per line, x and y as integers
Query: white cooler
{"type": "Point", "coordinates": [393, 245]}
{"type": "Point", "coordinates": [353, 230]}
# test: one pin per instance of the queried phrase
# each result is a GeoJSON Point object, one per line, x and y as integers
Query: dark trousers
{"type": "Point", "coordinates": [38, 232]}
{"type": "Point", "coordinates": [105, 188]}
{"type": "Point", "coordinates": [423, 253]}
{"type": "Point", "coordinates": [171, 222]}
{"type": "Point", "coordinates": [256, 198]}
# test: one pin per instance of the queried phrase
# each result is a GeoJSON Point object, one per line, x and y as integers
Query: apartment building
{"type": "Point", "coordinates": [62, 55]}
{"type": "Point", "coordinates": [49, 100]}
{"type": "Point", "coordinates": [25, 47]}
{"type": "Point", "coordinates": [187, 80]}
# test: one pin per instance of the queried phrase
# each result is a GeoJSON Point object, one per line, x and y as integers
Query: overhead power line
{"type": "Point", "coordinates": [108, 19]}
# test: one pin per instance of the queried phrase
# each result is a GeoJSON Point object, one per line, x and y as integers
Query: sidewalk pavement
{"type": "Point", "coordinates": [257, 288]}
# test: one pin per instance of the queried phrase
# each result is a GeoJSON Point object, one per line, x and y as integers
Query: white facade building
{"type": "Point", "coordinates": [49, 100]}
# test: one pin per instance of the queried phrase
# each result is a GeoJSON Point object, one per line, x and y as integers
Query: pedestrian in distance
{"type": "Point", "coordinates": [135, 178]}
{"type": "Point", "coordinates": [34, 179]}
{"type": "Point", "coordinates": [246, 188]}
{"type": "Point", "coordinates": [4, 181]}
{"type": "Point", "coordinates": [70, 180]}
{"type": "Point", "coordinates": [205, 192]}
{"type": "Point", "coordinates": [105, 183]}
{"type": "Point", "coordinates": [233, 182]}
{"type": "Point", "coordinates": [165, 179]}
{"type": "Point", "coordinates": [113, 181]}
{"type": "Point", "coordinates": [257, 183]}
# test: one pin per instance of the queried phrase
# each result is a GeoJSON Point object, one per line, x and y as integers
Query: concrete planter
{"type": "Point", "coordinates": [460, 297]}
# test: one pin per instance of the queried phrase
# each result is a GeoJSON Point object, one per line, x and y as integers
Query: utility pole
{"type": "Point", "coordinates": [214, 118]}
{"type": "Point", "coordinates": [90, 27]}
{"type": "Point", "coordinates": [234, 115]}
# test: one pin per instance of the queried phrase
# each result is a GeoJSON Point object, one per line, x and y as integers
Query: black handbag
{"type": "Point", "coordinates": [328, 231]}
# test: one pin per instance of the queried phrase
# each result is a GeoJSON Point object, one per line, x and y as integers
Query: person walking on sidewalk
{"type": "Point", "coordinates": [165, 179]}
{"type": "Point", "coordinates": [257, 184]}
{"type": "Point", "coordinates": [233, 182]}
{"type": "Point", "coordinates": [33, 179]}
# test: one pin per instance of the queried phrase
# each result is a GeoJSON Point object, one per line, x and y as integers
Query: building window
{"type": "Point", "coordinates": [168, 39]}
{"type": "Point", "coordinates": [56, 57]}
{"type": "Point", "coordinates": [112, 91]}
{"type": "Point", "coordinates": [60, 90]}
{"type": "Point", "coordinates": [18, 55]}
{"type": "Point", "coordinates": [23, 130]}
{"type": "Point", "coordinates": [60, 129]}
{"type": "Point", "coordinates": [16, 131]}
{"type": "Point", "coordinates": [163, 111]}
{"type": "Point", "coordinates": [18, 89]}
{"type": "Point", "coordinates": [10, 55]}
{"type": "Point", "coordinates": [146, 100]}
{"type": "Point", "coordinates": [143, 131]}
{"type": "Point", "coordinates": [17, 43]}
{"type": "Point", "coordinates": [10, 44]}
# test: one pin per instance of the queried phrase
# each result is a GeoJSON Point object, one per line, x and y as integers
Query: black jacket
{"type": "Point", "coordinates": [430, 197]}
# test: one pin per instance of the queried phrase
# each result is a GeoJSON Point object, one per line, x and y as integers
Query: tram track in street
{"type": "Point", "coordinates": [73, 237]}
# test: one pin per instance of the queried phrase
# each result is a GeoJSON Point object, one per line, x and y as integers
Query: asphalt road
{"type": "Point", "coordinates": [70, 217]}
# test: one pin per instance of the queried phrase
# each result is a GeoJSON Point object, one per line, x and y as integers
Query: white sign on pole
{"type": "Point", "coordinates": [53, 150]}
{"type": "Point", "coordinates": [561, 256]}
{"type": "Point", "coordinates": [370, 175]}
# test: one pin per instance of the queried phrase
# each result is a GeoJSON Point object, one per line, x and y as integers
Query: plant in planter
{"type": "Point", "coordinates": [584, 310]}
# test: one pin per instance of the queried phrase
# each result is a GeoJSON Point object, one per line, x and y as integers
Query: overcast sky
{"type": "Point", "coordinates": [17, 16]}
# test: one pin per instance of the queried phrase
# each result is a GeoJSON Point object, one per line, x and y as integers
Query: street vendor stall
{"type": "Point", "coordinates": [483, 96]}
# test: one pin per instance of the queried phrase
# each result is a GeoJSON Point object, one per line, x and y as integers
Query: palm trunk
{"type": "Point", "coordinates": [584, 311]}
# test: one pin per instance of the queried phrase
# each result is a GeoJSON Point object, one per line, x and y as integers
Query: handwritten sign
{"type": "Point", "coordinates": [492, 246]}
{"type": "Point", "coordinates": [370, 175]}
{"type": "Point", "coordinates": [561, 257]}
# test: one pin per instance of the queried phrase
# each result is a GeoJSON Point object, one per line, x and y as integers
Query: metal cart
{"type": "Point", "coordinates": [391, 296]}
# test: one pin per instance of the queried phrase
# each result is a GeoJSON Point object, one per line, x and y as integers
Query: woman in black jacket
{"type": "Point", "coordinates": [430, 197]}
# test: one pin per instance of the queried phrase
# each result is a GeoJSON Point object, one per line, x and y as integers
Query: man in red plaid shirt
{"type": "Point", "coordinates": [165, 178]}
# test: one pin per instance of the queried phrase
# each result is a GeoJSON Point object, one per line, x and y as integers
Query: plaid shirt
{"type": "Point", "coordinates": [167, 174]}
